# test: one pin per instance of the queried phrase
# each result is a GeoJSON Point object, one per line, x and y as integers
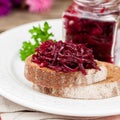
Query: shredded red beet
{"type": "Point", "coordinates": [64, 56]}
{"type": "Point", "coordinates": [97, 34]}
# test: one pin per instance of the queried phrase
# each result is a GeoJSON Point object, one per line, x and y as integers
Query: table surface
{"type": "Point", "coordinates": [22, 16]}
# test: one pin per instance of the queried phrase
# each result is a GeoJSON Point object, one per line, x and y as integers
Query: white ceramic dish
{"type": "Point", "coordinates": [16, 88]}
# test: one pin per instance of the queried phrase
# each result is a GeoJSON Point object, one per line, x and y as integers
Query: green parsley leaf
{"type": "Point", "coordinates": [38, 36]}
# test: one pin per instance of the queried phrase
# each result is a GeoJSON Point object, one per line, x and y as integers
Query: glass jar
{"type": "Point", "coordinates": [94, 23]}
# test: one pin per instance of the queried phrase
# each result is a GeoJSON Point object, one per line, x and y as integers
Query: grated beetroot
{"type": "Point", "coordinates": [64, 56]}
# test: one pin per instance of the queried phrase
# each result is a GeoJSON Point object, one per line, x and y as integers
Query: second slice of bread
{"type": "Point", "coordinates": [100, 90]}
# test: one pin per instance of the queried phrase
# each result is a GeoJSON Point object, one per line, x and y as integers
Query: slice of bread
{"type": "Point", "coordinates": [50, 78]}
{"type": "Point", "coordinates": [100, 90]}
{"type": "Point", "coordinates": [69, 86]}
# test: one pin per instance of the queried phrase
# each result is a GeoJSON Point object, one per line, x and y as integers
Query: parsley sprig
{"type": "Point", "coordinates": [38, 35]}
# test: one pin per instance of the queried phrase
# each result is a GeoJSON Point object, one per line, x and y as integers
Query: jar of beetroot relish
{"type": "Point", "coordinates": [94, 23]}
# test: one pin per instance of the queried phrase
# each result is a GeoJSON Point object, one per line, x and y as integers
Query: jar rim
{"type": "Point", "coordinates": [97, 2]}
{"type": "Point", "coordinates": [100, 6]}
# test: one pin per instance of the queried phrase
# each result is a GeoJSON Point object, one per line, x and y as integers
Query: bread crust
{"type": "Point", "coordinates": [50, 78]}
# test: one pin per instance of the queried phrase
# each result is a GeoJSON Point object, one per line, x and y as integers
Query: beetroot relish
{"type": "Point", "coordinates": [64, 56]}
{"type": "Point", "coordinates": [97, 34]}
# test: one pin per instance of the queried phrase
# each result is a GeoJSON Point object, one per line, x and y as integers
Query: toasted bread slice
{"type": "Point", "coordinates": [46, 77]}
{"type": "Point", "coordinates": [75, 85]}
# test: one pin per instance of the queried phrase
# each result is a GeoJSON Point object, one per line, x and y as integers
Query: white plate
{"type": "Point", "coordinates": [16, 88]}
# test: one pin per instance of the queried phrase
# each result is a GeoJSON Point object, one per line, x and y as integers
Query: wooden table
{"type": "Point", "coordinates": [18, 17]}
